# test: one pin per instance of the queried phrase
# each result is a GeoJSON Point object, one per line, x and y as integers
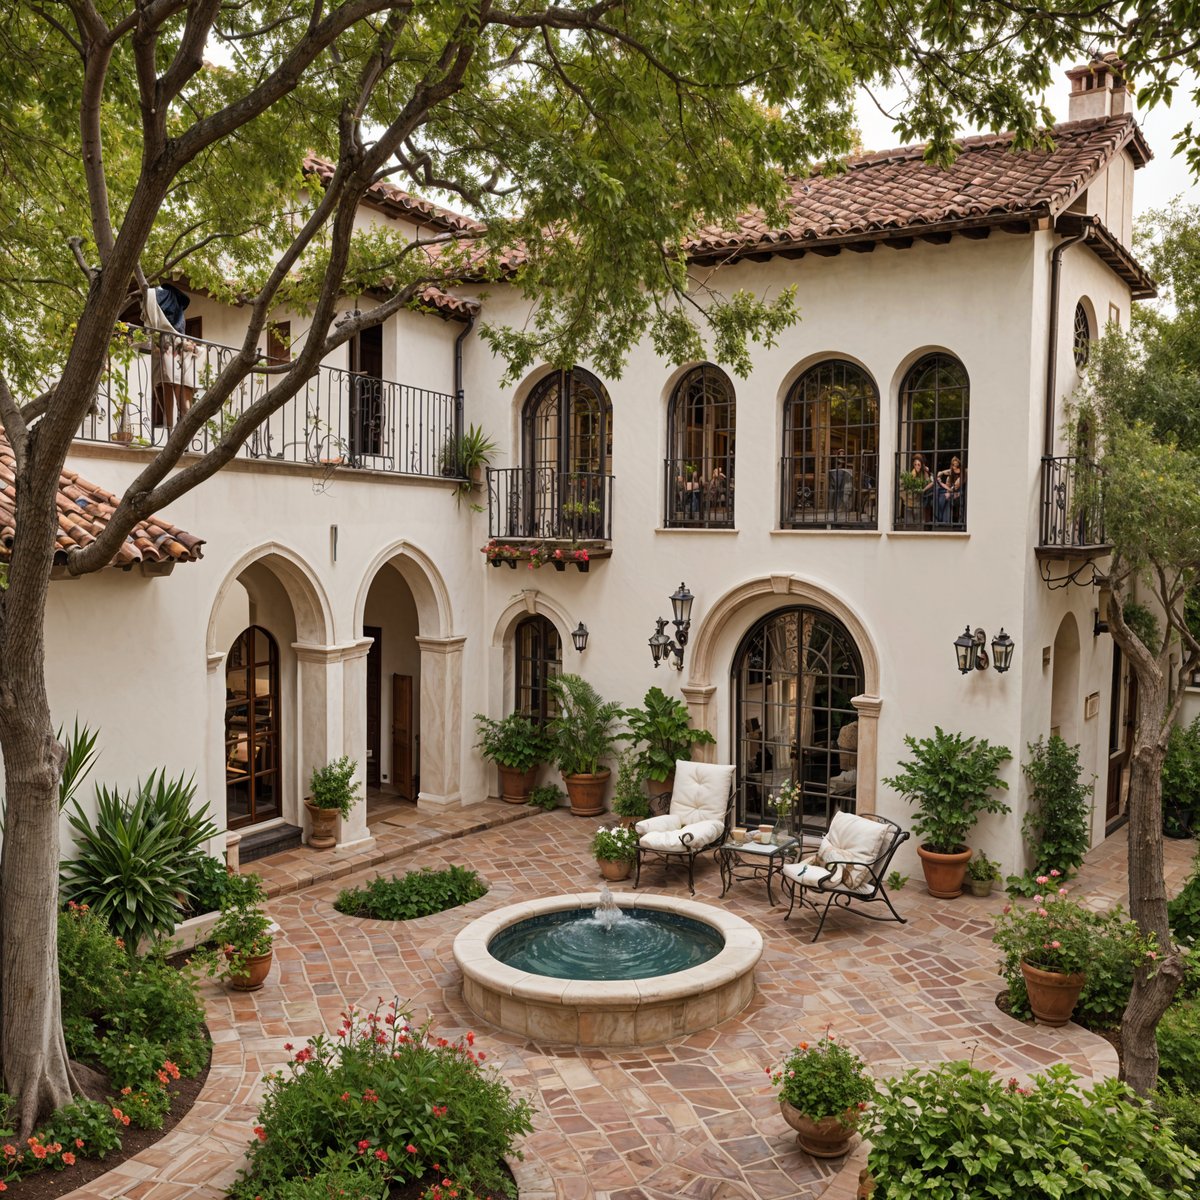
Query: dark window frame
{"type": "Point", "coordinates": [537, 645]}
{"type": "Point", "coordinates": [262, 738]}
{"type": "Point", "coordinates": [1081, 339]}
{"type": "Point", "coordinates": [700, 443]}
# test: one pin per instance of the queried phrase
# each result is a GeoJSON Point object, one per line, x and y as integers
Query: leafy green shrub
{"type": "Point", "coordinates": [584, 730]}
{"type": "Point", "coordinates": [91, 963]}
{"type": "Point", "coordinates": [1183, 912]}
{"type": "Point", "coordinates": [629, 797]}
{"type": "Point", "coordinates": [162, 1005]}
{"type": "Point", "coordinates": [823, 1080]}
{"type": "Point", "coordinates": [1180, 1106]}
{"type": "Point", "coordinates": [1144, 623]}
{"type": "Point", "coordinates": [416, 894]}
{"type": "Point", "coordinates": [1179, 1045]}
{"type": "Point", "coordinates": [663, 729]}
{"type": "Point", "coordinates": [895, 881]}
{"type": "Point", "coordinates": [1181, 780]}
{"type": "Point", "coordinates": [342, 1176]}
{"type": "Point", "coordinates": [956, 1132]}
{"type": "Point", "coordinates": [1058, 823]}
{"type": "Point", "coordinates": [86, 1127]}
{"type": "Point", "coordinates": [208, 881]}
{"type": "Point", "coordinates": [137, 857]}
{"type": "Point", "coordinates": [515, 741]}
{"type": "Point", "coordinates": [546, 797]}
{"type": "Point", "coordinates": [334, 786]}
{"type": "Point", "coordinates": [391, 1093]}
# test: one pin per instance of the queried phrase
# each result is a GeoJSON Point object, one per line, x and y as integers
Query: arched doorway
{"type": "Point", "coordinates": [253, 788]}
{"type": "Point", "coordinates": [794, 675]}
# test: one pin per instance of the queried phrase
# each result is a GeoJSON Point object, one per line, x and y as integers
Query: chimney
{"type": "Point", "coordinates": [1099, 89]}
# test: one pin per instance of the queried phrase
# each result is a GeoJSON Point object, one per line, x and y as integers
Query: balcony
{"type": "Point", "coordinates": [694, 502]}
{"type": "Point", "coordinates": [1072, 518]}
{"type": "Point", "coordinates": [818, 491]}
{"type": "Point", "coordinates": [338, 418]}
{"type": "Point", "coordinates": [541, 503]}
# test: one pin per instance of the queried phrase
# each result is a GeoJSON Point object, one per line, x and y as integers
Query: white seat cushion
{"type": "Point", "coordinates": [701, 791]}
{"type": "Point", "coordinates": [850, 839]}
{"type": "Point", "coordinates": [704, 833]}
{"type": "Point", "coordinates": [808, 873]}
{"type": "Point", "coordinates": [663, 824]}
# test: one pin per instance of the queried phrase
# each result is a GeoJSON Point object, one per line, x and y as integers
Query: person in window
{"type": "Point", "coordinates": [925, 495]}
{"type": "Point", "coordinates": [950, 486]}
{"type": "Point", "coordinates": [689, 485]}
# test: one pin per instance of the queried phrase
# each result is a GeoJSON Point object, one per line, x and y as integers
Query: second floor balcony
{"type": "Point", "coordinates": [542, 503]}
{"type": "Point", "coordinates": [338, 418]}
{"type": "Point", "coordinates": [1072, 516]}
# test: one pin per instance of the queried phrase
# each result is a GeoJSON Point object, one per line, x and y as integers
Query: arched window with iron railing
{"type": "Point", "coordinates": [829, 475]}
{"type": "Point", "coordinates": [698, 476]}
{"type": "Point", "coordinates": [931, 463]}
{"type": "Point", "coordinates": [538, 659]}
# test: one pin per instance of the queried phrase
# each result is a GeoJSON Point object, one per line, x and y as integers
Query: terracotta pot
{"type": "Point", "coordinates": [1052, 994]}
{"type": "Point", "coordinates": [586, 793]}
{"type": "Point", "coordinates": [123, 437]}
{"type": "Point", "coordinates": [515, 783]}
{"type": "Point", "coordinates": [324, 826]}
{"type": "Point", "coordinates": [981, 887]}
{"type": "Point", "coordinates": [830, 1137]}
{"type": "Point", "coordinates": [944, 873]}
{"type": "Point", "coordinates": [253, 975]}
{"type": "Point", "coordinates": [614, 869]}
{"type": "Point", "coordinates": [654, 788]}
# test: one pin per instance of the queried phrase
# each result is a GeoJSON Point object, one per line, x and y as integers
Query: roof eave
{"type": "Point", "coordinates": [1107, 247]}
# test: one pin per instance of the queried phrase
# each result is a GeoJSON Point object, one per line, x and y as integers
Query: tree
{"type": "Point", "coordinates": [597, 135]}
{"type": "Point", "coordinates": [1143, 406]}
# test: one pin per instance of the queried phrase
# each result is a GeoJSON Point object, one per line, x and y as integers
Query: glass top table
{"type": "Point", "coordinates": [754, 860]}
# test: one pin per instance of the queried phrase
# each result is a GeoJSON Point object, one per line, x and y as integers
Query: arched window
{"type": "Point", "coordinates": [538, 659]}
{"type": "Point", "coordinates": [931, 464]}
{"type": "Point", "coordinates": [566, 456]}
{"type": "Point", "coordinates": [830, 470]}
{"type": "Point", "coordinates": [1082, 342]}
{"type": "Point", "coordinates": [252, 754]}
{"type": "Point", "coordinates": [700, 435]}
{"type": "Point", "coordinates": [794, 676]}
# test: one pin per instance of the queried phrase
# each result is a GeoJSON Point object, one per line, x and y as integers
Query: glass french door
{"type": "Point", "coordinates": [252, 784]}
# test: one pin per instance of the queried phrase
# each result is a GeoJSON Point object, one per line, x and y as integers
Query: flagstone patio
{"type": "Point", "coordinates": [694, 1119]}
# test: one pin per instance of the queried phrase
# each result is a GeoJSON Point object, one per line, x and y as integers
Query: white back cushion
{"type": "Point", "coordinates": [701, 791]}
{"type": "Point", "coordinates": [851, 839]}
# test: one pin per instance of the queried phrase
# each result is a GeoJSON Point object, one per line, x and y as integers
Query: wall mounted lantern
{"type": "Point", "coordinates": [1100, 612]}
{"type": "Point", "coordinates": [671, 650]}
{"type": "Point", "coordinates": [971, 655]}
{"type": "Point", "coordinates": [579, 635]}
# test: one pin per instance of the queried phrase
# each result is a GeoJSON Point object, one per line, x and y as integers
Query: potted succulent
{"type": "Point", "coordinates": [951, 780]}
{"type": "Point", "coordinates": [823, 1089]}
{"type": "Point", "coordinates": [518, 746]}
{"type": "Point", "coordinates": [982, 874]}
{"type": "Point", "coordinates": [243, 936]}
{"type": "Point", "coordinates": [334, 792]}
{"type": "Point", "coordinates": [662, 728]}
{"type": "Point", "coordinates": [629, 797]}
{"type": "Point", "coordinates": [583, 733]}
{"type": "Point", "coordinates": [615, 849]}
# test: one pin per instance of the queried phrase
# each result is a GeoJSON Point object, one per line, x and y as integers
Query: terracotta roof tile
{"type": "Point", "coordinates": [83, 509]}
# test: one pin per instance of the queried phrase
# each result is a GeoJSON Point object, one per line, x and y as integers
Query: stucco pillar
{"type": "Point", "coordinates": [702, 710]}
{"type": "Point", "coordinates": [441, 722]}
{"type": "Point", "coordinates": [355, 834]}
{"type": "Point", "coordinates": [867, 708]}
{"type": "Point", "coordinates": [213, 774]}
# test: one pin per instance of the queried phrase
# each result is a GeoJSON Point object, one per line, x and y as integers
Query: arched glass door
{"type": "Point", "coordinates": [794, 675]}
{"type": "Point", "coordinates": [252, 784]}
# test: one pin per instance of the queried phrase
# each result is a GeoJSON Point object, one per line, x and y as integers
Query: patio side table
{"type": "Point", "coordinates": [754, 860]}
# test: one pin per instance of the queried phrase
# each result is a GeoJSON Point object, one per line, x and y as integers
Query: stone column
{"type": "Point", "coordinates": [702, 709]}
{"type": "Point", "coordinates": [441, 722]}
{"type": "Point", "coordinates": [213, 775]}
{"type": "Point", "coordinates": [867, 708]}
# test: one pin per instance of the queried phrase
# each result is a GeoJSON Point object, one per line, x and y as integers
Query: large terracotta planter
{"type": "Point", "coordinates": [253, 975]}
{"type": "Point", "coordinates": [515, 783]}
{"type": "Point", "coordinates": [944, 873]}
{"type": "Point", "coordinates": [830, 1137]}
{"type": "Point", "coordinates": [324, 826]}
{"type": "Point", "coordinates": [586, 793]}
{"type": "Point", "coordinates": [1052, 994]}
{"type": "Point", "coordinates": [614, 869]}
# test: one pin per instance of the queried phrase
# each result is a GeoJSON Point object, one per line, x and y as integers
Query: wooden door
{"type": "Point", "coordinates": [374, 706]}
{"type": "Point", "coordinates": [402, 736]}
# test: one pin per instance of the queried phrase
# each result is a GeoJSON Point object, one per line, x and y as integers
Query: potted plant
{"type": "Point", "coordinates": [583, 734]}
{"type": "Point", "coordinates": [982, 874]}
{"type": "Point", "coordinates": [629, 797]}
{"type": "Point", "coordinates": [615, 849]}
{"type": "Point", "coordinates": [951, 780]}
{"type": "Point", "coordinates": [334, 792]}
{"type": "Point", "coordinates": [243, 936]}
{"type": "Point", "coordinates": [469, 454]}
{"type": "Point", "coordinates": [663, 729]}
{"type": "Point", "coordinates": [518, 746]}
{"type": "Point", "coordinates": [823, 1089]}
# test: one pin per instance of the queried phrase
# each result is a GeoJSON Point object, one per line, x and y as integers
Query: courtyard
{"type": "Point", "coordinates": [695, 1118]}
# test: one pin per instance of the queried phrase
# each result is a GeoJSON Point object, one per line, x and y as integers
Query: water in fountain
{"type": "Point", "coordinates": [608, 914]}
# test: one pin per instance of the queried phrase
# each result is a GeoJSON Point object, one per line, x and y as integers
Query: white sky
{"type": "Point", "coordinates": [1156, 185]}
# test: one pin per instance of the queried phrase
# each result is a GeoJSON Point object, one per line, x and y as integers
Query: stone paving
{"type": "Point", "coordinates": [694, 1119]}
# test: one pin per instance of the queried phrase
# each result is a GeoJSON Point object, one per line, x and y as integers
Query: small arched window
{"type": "Point", "coordinates": [252, 752]}
{"type": "Point", "coordinates": [1082, 343]}
{"type": "Point", "coordinates": [931, 465]}
{"type": "Point", "coordinates": [700, 436]}
{"type": "Point", "coordinates": [538, 660]}
{"type": "Point", "coordinates": [830, 469]}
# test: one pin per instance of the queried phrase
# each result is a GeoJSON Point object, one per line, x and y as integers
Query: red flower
{"type": "Point", "coordinates": [302, 1056]}
{"type": "Point", "coordinates": [38, 1151]}
{"type": "Point", "coordinates": [124, 1120]}
{"type": "Point", "coordinates": [69, 1159]}
{"type": "Point", "coordinates": [369, 1097]}
{"type": "Point", "coordinates": [260, 1133]}
{"type": "Point", "coordinates": [470, 1038]}
{"type": "Point", "coordinates": [78, 1144]}
{"type": "Point", "coordinates": [345, 1096]}
{"type": "Point", "coordinates": [288, 1046]}
{"type": "Point", "coordinates": [363, 1146]}
{"type": "Point", "coordinates": [3, 1186]}
{"type": "Point", "coordinates": [411, 1148]}
{"type": "Point", "coordinates": [382, 1155]}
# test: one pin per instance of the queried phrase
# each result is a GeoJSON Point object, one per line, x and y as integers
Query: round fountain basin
{"type": "Point", "coordinates": [586, 1010]}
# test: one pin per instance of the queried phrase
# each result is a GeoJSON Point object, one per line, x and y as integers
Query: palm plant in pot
{"type": "Point", "coordinates": [951, 780]}
{"type": "Point", "coordinates": [334, 792]}
{"type": "Point", "coordinates": [518, 746]}
{"type": "Point", "coordinates": [583, 733]}
{"type": "Point", "coordinates": [662, 731]}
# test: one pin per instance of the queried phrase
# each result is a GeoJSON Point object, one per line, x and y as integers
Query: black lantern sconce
{"type": "Point", "coordinates": [1100, 612]}
{"type": "Point", "coordinates": [971, 655]}
{"type": "Point", "coordinates": [579, 635]}
{"type": "Point", "coordinates": [671, 650]}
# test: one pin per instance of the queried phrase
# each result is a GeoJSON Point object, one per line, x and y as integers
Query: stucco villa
{"type": "Point", "coordinates": [894, 470]}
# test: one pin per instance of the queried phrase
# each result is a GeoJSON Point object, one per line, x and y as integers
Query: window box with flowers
{"type": "Point", "coordinates": [538, 554]}
{"type": "Point", "coordinates": [823, 1089]}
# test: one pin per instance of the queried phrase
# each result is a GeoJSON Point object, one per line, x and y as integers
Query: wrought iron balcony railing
{"type": "Point", "coordinates": [693, 501]}
{"type": "Point", "coordinates": [544, 503]}
{"type": "Point", "coordinates": [936, 501]}
{"type": "Point", "coordinates": [819, 491]}
{"type": "Point", "coordinates": [1072, 509]}
{"type": "Point", "coordinates": [338, 418]}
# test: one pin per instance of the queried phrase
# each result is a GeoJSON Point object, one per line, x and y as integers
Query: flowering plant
{"type": "Point", "coordinates": [617, 844]}
{"type": "Point", "coordinates": [786, 799]}
{"type": "Point", "coordinates": [823, 1080]}
{"type": "Point", "coordinates": [499, 552]}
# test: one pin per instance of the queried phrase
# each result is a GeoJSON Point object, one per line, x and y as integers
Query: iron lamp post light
{"type": "Point", "coordinates": [970, 653]}
{"type": "Point", "coordinates": [664, 648]}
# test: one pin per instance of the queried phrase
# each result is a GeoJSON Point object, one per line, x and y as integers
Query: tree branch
{"type": "Point", "coordinates": [14, 426]}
